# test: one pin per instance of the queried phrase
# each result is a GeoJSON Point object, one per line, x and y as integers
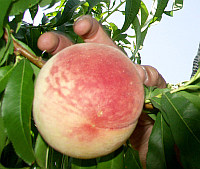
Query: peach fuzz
{"type": "Point", "coordinates": [87, 100]}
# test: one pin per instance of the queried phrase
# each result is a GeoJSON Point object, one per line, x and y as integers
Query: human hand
{"type": "Point", "coordinates": [92, 32]}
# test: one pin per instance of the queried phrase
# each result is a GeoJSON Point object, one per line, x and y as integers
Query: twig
{"type": "Point", "coordinates": [24, 52]}
{"type": "Point", "coordinates": [109, 14]}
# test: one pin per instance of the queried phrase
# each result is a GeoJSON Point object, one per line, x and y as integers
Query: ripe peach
{"type": "Point", "coordinates": [87, 101]}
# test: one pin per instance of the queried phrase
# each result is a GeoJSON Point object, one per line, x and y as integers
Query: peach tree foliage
{"type": "Point", "coordinates": [175, 109]}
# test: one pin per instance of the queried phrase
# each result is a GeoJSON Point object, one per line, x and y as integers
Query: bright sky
{"type": "Point", "coordinates": [172, 44]}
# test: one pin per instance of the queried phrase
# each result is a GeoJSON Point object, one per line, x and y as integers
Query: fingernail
{"type": "Point", "coordinates": [82, 18]}
{"type": "Point", "coordinates": [146, 78]}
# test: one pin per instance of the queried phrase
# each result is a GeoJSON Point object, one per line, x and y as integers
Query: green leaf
{"type": "Point", "coordinates": [137, 28]}
{"type": "Point", "coordinates": [131, 159]}
{"type": "Point", "coordinates": [16, 110]}
{"type": "Point", "coordinates": [57, 160]}
{"type": "Point", "coordinates": [156, 154]}
{"type": "Point", "coordinates": [117, 35]}
{"type": "Point", "coordinates": [16, 23]}
{"type": "Point", "coordinates": [143, 35]}
{"type": "Point", "coordinates": [23, 45]}
{"type": "Point", "coordinates": [41, 152]}
{"type": "Point", "coordinates": [113, 26]}
{"type": "Point", "coordinates": [45, 3]}
{"type": "Point", "coordinates": [3, 135]}
{"type": "Point", "coordinates": [114, 160]}
{"type": "Point", "coordinates": [4, 76]}
{"type": "Point", "coordinates": [144, 22]}
{"type": "Point", "coordinates": [131, 10]}
{"type": "Point", "coordinates": [69, 9]}
{"type": "Point", "coordinates": [192, 87]}
{"type": "Point", "coordinates": [161, 154]}
{"type": "Point", "coordinates": [19, 7]}
{"type": "Point", "coordinates": [36, 70]}
{"type": "Point", "coordinates": [144, 14]}
{"type": "Point", "coordinates": [83, 164]}
{"type": "Point", "coordinates": [33, 11]}
{"type": "Point", "coordinates": [195, 99]}
{"type": "Point", "coordinates": [93, 3]}
{"type": "Point", "coordinates": [154, 92]}
{"type": "Point", "coordinates": [161, 5]}
{"type": "Point", "coordinates": [151, 91]}
{"type": "Point", "coordinates": [184, 119]}
{"type": "Point", "coordinates": [157, 104]}
{"type": "Point", "coordinates": [177, 5]}
{"type": "Point", "coordinates": [2, 167]}
{"type": "Point", "coordinates": [3, 12]}
{"type": "Point", "coordinates": [48, 2]}
{"type": "Point", "coordinates": [7, 49]}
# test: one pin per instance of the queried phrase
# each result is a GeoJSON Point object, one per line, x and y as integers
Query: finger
{"type": "Point", "coordinates": [52, 42]}
{"type": "Point", "coordinates": [150, 76]}
{"type": "Point", "coordinates": [91, 31]}
{"type": "Point", "coordinates": [140, 137]}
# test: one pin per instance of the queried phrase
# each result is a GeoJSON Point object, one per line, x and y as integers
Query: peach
{"type": "Point", "coordinates": [87, 100]}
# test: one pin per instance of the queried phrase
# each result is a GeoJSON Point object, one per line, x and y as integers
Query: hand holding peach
{"type": "Point", "coordinates": [91, 32]}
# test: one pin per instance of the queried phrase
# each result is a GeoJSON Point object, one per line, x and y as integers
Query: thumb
{"type": "Point", "coordinates": [91, 31]}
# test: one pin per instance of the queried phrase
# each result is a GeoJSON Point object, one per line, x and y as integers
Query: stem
{"type": "Point", "coordinates": [109, 14]}
{"type": "Point", "coordinates": [194, 78]}
{"type": "Point", "coordinates": [24, 52]}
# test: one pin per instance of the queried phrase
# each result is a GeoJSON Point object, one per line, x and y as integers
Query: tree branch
{"type": "Point", "coordinates": [24, 52]}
